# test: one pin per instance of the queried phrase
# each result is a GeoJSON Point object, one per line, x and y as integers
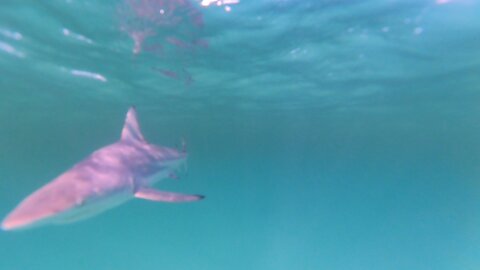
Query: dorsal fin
{"type": "Point", "coordinates": [131, 128]}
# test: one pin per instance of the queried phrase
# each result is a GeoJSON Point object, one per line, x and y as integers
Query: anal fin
{"type": "Point", "coordinates": [163, 196]}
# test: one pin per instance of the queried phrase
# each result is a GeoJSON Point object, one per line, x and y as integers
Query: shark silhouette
{"type": "Point", "coordinates": [107, 178]}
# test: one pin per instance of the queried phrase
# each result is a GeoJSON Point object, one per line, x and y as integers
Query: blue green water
{"type": "Point", "coordinates": [325, 134]}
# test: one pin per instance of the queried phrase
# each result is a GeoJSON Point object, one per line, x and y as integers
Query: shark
{"type": "Point", "coordinates": [109, 177]}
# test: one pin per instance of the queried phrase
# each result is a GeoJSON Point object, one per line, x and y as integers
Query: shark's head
{"type": "Point", "coordinates": [39, 207]}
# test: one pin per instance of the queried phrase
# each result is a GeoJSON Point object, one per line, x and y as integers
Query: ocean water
{"type": "Point", "coordinates": [325, 134]}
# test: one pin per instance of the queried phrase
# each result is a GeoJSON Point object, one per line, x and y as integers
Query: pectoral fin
{"type": "Point", "coordinates": [163, 196]}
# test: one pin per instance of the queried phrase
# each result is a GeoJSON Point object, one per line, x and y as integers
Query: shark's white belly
{"type": "Point", "coordinates": [91, 208]}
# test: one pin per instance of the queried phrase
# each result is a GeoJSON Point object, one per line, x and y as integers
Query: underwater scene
{"type": "Point", "coordinates": [240, 134]}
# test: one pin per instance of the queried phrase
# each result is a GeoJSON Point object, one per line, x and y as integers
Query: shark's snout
{"type": "Point", "coordinates": [12, 224]}
{"type": "Point", "coordinates": [38, 208]}
{"type": "Point", "coordinates": [23, 217]}
{"type": "Point", "coordinates": [18, 220]}
{"type": "Point", "coordinates": [7, 225]}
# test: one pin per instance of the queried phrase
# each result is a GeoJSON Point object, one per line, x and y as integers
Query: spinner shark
{"type": "Point", "coordinates": [110, 176]}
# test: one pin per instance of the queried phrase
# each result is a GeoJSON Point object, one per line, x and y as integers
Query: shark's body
{"type": "Point", "coordinates": [110, 176]}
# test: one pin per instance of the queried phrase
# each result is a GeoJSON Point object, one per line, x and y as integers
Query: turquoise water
{"type": "Point", "coordinates": [325, 134]}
